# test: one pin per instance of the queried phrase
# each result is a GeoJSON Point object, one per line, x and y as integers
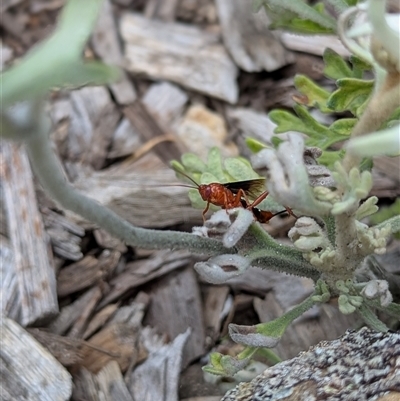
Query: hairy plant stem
{"type": "Point", "coordinates": [268, 254]}
{"type": "Point", "coordinates": [50, 174]}
{"type": "Point", "coordinates": [347, 258]}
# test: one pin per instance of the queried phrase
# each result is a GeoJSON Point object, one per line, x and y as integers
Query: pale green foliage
{"type": "Point", "coordinates": [329, 254]}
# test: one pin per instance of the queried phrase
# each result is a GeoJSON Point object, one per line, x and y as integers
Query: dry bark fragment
{"type": "Point", "coordinates": [111, 383]}
{"type": "Point", "coordinates": [93, 119]}
{"type": "Point", "coordinates": [247, 37]}
{"type": "Point", "coordinates": [106, 44]}
{"type": "Point", "coordinates": [28, 371]}
{"type": "Point", "coordinates": [158, 377]}
{"type": "Point", "coordinates": [119, 342]}
{"type": "Point", "coordinates": [214, 300]}
{"type": "Point", "coordinates": [99, 320]}
{"type": "Point", "coordinates": [161, 263]}
{"type": "Point", "coordinates": [137, 192]}
{"type": "Point", "coordinates": [176, 305]}
{"type": "Point", "coordinates": [161, 9]}
{"type": "Point", "coordinates": [31, 252]}
{"type": "Point", "coordinates": [86, 272]}
{"type": "Point", "coordinates": [179, 53]}
{"type": "Point", "coordinates": [148, 128]}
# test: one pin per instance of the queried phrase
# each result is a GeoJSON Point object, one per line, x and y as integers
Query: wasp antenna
{"type": "Point", "coordinates": [186, 175]}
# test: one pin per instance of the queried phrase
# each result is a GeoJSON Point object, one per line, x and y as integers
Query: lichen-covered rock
{"type": "Point", "coordinates": [359, 366]}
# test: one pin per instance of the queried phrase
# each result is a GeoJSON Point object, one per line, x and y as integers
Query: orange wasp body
{"type": "Point", "coordinates": [233, 194]}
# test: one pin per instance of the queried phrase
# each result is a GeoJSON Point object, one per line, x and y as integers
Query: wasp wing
{"type": "Point", "coordinates": [252, 188]}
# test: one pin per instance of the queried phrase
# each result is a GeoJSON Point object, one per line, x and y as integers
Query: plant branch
{"type": "Point", "coordinates": [268, 254]}
{"type": "Point", "coordinates": [50, 174]}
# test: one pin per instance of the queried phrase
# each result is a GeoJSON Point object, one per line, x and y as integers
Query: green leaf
{"type": "Point", "coordinates": [193, 163]}
{"type": "Point", "coordinates": [57, 61]}
{"type": "Point", "coordinates": [298, 16]}
{"type": "Point", "coordinates": [214, 164]}
{"type": "Point", "coordinates": [254, 145]}
{"type": "Point", "coordinates": [208, 178]}
{"type": "Point", "coordinates": [316, 96]}
{"type": "Point", "coordinates": [276, 328]}
{"type": "Point", "coordinates": [196, 200]}
{"type": "Point", "coordinates": [176, 166]}
{"type": "Point", "coordinates": [286, 121]}
{"type": "Point", "coordinates": [359, 66]}
{"type": "Point", "coordinates": [386, 213]}
{"type": "Point", "coordinates": [344, 126]}
{"type": "Point", "coordinates": [352, 94]}
{"type": "Point", "coordinates": [297, 25]}
{"type": "Point", "coordinates": [335, 66]}
{"type": "Point", "coordinates": [319, 135]}
{"type": "Point", "coordinates": [276, 141]}
{"type": "Point", "coordinates": [352, 3]}
{"type": "Point", "coordinates": [239, 169]}
{"type": "Point", "coordinates": [312, 127]}
{"type": "Point", "coordinates": [226, 365]}
{"type": "Point", "coordinates": [329, 158]}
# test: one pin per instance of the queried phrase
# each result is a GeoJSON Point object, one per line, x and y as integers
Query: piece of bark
{"type": "Point", "coordinates": [133, 313]}
{"type": "Point", "coordinates": [85, 386]}
{"type": "Point", "coordinates": [247, 37]}
{"type": "Point", "coordinates": [105, 240]}
{"type": "Point", "coordinates": [251, 123]}
{"type": "Point", "coordinates": [120, 340]}
{"type": "Point", "coordinates": [106, 44]}
{"type": "Point", "coordinates": [158, 377]}
{"type": "Point", "coordinates": [6, 4]}
{"type": "Point", "coordinates": [86, 272]}
{"type": "Point", "coordinates": [81, 323]}
{"type": "Point", "coordinates": [67, 351]}
{"type": "Point", "coordinates": [28, 371]}
{"type": "Point", "coordinates": [148, 128]}
{"type": "Point", "coordinates": [126, 140]}
{"type": "Point", "coordinates": [214, 301]}
{"type": "Point", "coordinates": [179, 53]}
{"type": "Point", "coordinates": [313, 44]}
{"type": "Point", "coordinates": [141, 272]}
{"type": "Point", "coordinates": [111, 383]}
{"type": "Point", "coordinates": [30, 246]}
{"type": "Point", "coordinates": [200, 12]}
{"type": "Point", "coordinates": [202, 129]}
{"type": "Point", "coordinates": [361, 365]}
{"type": "Point", "coordinates": [175, 306]}
{"type": "Point", "coordinates": [389, 166]}
{"type": "Point", "coordinates": [9, 295]}
{"type": "Point", "coordinates": [384, 186]}
{"type": "Point", "coordinates": [307, 330]}
{"type": "Point", "coordinates": [70, 313]}
{"type": "Point", "coordinates": [161, 9]}
{"type": "Point", "coordinates": [166, 102]}
{"type": "Point", "coordinates": [255, 281]}
{"type": "Point", "coordinates": [205, 398]}
{"type": "Point", "coordinates": [140, 193]}
{"type": "Point", "coordinates": [65, 236]}
{"type": "Point", "coordinates": [92, 122]}
{"type": "Point", "coordinates": [99, 319]}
